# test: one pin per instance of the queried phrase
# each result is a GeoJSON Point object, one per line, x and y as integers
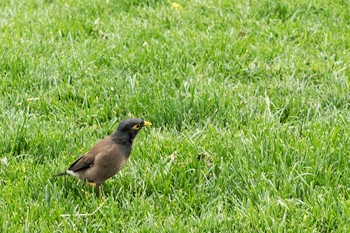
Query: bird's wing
{"type": "Point", "coordinates": [84, 162]}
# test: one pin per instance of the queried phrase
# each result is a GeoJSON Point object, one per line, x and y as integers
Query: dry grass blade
{"type": "Point", "coordinates": [85, 215]}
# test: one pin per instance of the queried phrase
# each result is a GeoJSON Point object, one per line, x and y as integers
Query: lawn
{"type": "Point", "coordinates": [249, 101]}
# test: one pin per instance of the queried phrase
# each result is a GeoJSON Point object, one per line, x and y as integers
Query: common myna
{"type": "Point", "coordinates": [108, 156]}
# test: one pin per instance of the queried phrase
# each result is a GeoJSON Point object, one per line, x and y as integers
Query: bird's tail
{"type": "Point", "coordinates": [60, 174]}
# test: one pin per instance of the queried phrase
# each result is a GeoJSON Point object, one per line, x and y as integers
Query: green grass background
{"type": "Point", "coordinates": [249, 102]}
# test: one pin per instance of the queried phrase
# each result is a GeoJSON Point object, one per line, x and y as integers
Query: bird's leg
{"type": "Point", "coordinates": [97, 189]}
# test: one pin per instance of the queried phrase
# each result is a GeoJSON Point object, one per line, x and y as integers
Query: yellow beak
{"type": "Point", "coordinates": [147, 123]}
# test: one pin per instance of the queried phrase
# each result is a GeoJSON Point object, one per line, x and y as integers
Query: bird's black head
{"type": "Point", "coordinates": [128, 129]}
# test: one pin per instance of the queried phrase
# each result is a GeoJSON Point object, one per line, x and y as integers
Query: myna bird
{"type": "Point", "coordinates": [108, 156]}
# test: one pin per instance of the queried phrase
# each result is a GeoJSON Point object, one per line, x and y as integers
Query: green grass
{"type": "Point", "coordinates": [249, 100]}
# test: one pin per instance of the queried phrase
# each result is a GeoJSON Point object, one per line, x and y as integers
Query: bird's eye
{"type": "Point", "coordinates": [136, 127]}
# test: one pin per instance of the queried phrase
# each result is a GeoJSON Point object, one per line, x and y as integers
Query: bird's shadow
{"type": "Point", "coordinates": [68, 187]}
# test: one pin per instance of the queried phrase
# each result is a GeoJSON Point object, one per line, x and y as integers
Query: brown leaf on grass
{"type": "Point", "coordinates": [206, 158]}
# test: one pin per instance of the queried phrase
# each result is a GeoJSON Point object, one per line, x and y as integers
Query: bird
{"type": "Point", "coordinates": [108, 156]}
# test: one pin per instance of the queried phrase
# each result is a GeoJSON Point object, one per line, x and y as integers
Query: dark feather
{"type": "Point", "coordinates": [82, 163]}
{"type": "Point", "coordinates": [60, 174]}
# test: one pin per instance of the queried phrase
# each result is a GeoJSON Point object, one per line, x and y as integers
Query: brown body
{"type": "Point", "coordinates": [108, 156]}
{"type": "Point", "coordinates": [104, 160]}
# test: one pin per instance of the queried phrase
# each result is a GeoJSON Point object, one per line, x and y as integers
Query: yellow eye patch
{"type": "Point", "coordinates": [136, 127]}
